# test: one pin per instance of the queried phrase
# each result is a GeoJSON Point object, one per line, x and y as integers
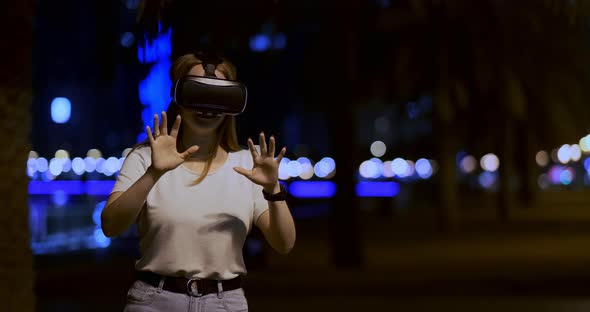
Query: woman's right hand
{"type": "Point", "coordinates": [165, 156]}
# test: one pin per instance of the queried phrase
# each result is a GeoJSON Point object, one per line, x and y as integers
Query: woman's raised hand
{"type": "Point", "coordinates": [265, 171]}
{"type": "Point", "coordinates": [165, 156]}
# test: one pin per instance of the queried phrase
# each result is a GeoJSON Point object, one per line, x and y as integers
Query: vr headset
{"type": "Point", "coordinates": [210, 95]}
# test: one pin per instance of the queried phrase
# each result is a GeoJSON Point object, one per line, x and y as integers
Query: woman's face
{"type": "Point", "coordinates": [195, 119]}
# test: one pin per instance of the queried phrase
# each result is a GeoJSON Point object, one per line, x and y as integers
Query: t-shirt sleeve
{"type": "Point", "coordinates": [260, 204]}
{"type": "Point", "coordinates": [134, 166]}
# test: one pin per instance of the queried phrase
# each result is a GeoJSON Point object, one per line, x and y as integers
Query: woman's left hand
{"type": "Point", "coordinates": [265, 171]}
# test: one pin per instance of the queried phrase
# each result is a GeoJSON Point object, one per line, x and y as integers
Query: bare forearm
{"type": "Point", "coordinates": [282, 227]}
{"type": "Point", "coordinates": [119, 215]}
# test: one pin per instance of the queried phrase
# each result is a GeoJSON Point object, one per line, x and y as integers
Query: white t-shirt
{"type": "Point", "coordinates": [194, 231]}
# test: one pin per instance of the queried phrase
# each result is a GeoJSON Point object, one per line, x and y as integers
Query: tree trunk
{"type": "Point", "coordinates": [346, 232]}
{"type": "Point", "coordinates": [506, 169]}
{"type": "Point", "coordinates": [527, 165]}
{"type": "Point", "coordinates": [16, 261]}
{"type": "Point", "coordinates": [447, 216]}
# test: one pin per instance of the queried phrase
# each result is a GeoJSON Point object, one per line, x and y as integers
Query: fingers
{"type": "Point", "coordinates": [148, 131]}
{"type": "Point", "coordinates": [175, 127]}
{"type": "Point", "coordinates": [156, 125]}
{"type": "Point", "coordinates": [245, 172]}
{"type": "Point", "coordinates": [281, 154]}
{"type": "Point", "coordinates": [253, 150]}
{"type": "Point", "coordinates": [262, 142]}
{"type": "Point", "coordinates": [164, 127]}
{"type": "Point", "coordinates": [271, 148]}
{"type": "Point", "coordinates": [191, 150]}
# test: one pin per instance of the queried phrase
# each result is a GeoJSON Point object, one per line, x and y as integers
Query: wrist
{"type": "Point", "coordinates": [279, 195]}
{"type": "Point", "coordinates": [272, 188]}
{"type": "Point", "coordinates": [154, 173]}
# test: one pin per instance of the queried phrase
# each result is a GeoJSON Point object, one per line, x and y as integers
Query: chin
{"type": "Point", "coordinates": [205, 123]}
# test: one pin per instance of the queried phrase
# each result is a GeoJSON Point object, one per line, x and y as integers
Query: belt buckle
{"type": "Point", "coordinates": [192, 288]}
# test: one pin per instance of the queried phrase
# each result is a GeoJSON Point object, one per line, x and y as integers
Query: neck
{"type": "Point", "coordinates": [204, 141]}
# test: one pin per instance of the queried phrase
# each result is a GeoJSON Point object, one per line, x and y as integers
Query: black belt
{"type": "Point", "coordinates": [194, 287]}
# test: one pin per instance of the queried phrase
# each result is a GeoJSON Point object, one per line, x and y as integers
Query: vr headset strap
{"type": "Point", "coordinates": [209, 69]}
{"type": "Point", "coordinates": [210, 61]}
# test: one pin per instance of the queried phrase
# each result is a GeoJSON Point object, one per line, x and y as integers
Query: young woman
{"type": "Point", "coordinates": [195, 195]}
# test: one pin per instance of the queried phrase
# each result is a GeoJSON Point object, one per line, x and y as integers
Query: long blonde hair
{"type": "Point", "coordinates": [225, 135]}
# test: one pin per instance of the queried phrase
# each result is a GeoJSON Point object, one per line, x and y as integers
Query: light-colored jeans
{"type": "Point", "coordinates": [143, 297]}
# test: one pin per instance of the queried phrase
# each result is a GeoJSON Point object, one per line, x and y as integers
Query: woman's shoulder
{"type": "Point", "coordinates": [243, 155]}
{"type": "Point", "coordinates": [142, 152]}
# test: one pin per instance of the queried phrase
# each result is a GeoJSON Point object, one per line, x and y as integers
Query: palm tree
{"type": "Point", "coordinates": [502, 73]}
{"type": "Point", "coordinates": [15, 100]}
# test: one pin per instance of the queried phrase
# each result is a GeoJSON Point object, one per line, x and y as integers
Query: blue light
{"type": "Point", "coordinates": [254, 246]}
{"type": "Point", "coordinates": [279, 41]}
{"type": "Point", "coordinates": [50, 187]}
{"type": "Point", "coordinates": [587, 164]}
{"type": "Point", "coordinates": [321, 169]}
{"type": "Point", "coordinates": [111, 165]}
{"type": "Point", "coordinates": [37, 219]}
{"type": "Point", "coordinates": [294, 168]}
{"type": "Point", "coordinates": [78, 165]}
{"type": "Point", "coordinates": [423, 168]}
{"type": "Point", "coordinates": [61, 109]}
{"type": "Point", "coordinates": [371, 168]}
{"type": "Point", "coordinates": [31, 165]}
{"type": "Point", "coordinates": [413, 110]}
{"type": "Point", "coordinates": [101, 239]}
{"type": "Point", "coordinates": [566, 177]}
{"type": "Point", "coordinates": [42, 164]}
{"type": "Point", "coordinates": [260, 43]}
{"type": "Point", "coordinates": [377, 189]}
{"type": "Point", "coordinates": [97, 212]}
{"type": "Point", "coordinates": [60, 197]}
{"type": "Point", "coordinates": [90, 164]}
{"type": "Point", "coordinates": [154, 90]}
{"type": "Point", "coordinates": [400, 167]}
{"type": "Point", "coordinates": [312, 189]}
{"type": "Point", "coordinates": [132, 4]}
{"type": "Point", "coordinates": [304, 160]}
{"type": "Point", "coordinates": [71, 187]}
{"type": "Point", "coordinates": [379, 166]}
{"type": "Point", "coordinates": [487, 179]}
{"type": "Point", "coordinates": [283, 172]}
{"type": "Point", "coordinates": [55, 166]}
{"type": "Point", "coordinates": [384, 4]}
{"type": "Point", "coordinates": [324, 167]}
{"type": "Point", "coordinates": [46, 176]}
{"type": "Point", "coordinates": [66, 165]}
{"type": "Point", "coordinates": [156, 49]}
{"type": "Point", "coordinates": [459, 157]}
{"type": "Point", "coordinates": [100, 164]}
{"type": "Point", "coordinates": [127, 39]}
{"type": "Point", "coordinates": [311, 210]}
{"type": "Point", "coordinates": [99, 187]}
{"type": "Point", "coordinates": [141, 137]}
{"type": "Point", "coordinates": [330, 163]}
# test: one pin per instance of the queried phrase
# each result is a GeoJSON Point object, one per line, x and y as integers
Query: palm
{"type": "Point", "coordinates": [165, 156]}
{"type": "Point", "coordinates": [265, 168]}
